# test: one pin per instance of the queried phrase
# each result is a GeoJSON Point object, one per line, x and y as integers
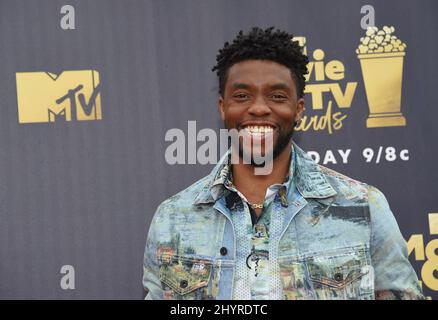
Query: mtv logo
{"type": "Point", "coordinates": [47, 97]}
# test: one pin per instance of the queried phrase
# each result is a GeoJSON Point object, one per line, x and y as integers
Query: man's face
{"type": "Point", "coordinates": [260, 101]}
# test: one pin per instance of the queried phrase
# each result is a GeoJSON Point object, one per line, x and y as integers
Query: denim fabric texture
{"type": "Point", "coordinates": [322, 235]}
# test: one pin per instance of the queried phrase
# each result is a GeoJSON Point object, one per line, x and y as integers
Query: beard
{"type": "Point", "coordinates": [284, 137]}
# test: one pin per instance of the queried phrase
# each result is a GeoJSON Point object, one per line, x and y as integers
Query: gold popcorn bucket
{"type": "Point", "coordinates": [382, 75]}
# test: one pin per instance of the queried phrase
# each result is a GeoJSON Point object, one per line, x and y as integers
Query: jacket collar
{"type": "Point", "coordinates": [307, 175]}
{"type": "Point", "coordinates": [310, 181]}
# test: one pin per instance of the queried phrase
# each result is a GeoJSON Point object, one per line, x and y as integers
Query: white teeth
{"type": "Point", "coordinates": [259, 129]}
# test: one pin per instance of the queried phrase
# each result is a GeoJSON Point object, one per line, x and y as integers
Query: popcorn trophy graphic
{"type": "Point", "coordinates": [381, 59]}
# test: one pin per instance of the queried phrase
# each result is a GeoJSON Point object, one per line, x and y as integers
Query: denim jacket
{"type": "Point", "coordinates": [331, 237]}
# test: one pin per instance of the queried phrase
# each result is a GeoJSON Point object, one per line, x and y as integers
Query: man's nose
{"type": "Point", "coordinates": [259, 107]}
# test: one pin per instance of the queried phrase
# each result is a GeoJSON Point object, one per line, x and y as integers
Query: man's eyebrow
{"type": "Point", "coordinates": [276, 86]}
{"type": "Point", "coordinates": [239, 85]}
{"type": "Point", "coordinates": [279, 86]}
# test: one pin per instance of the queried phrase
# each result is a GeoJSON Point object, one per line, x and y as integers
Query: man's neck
{"type": "Point", "coordinates": [253, 186]}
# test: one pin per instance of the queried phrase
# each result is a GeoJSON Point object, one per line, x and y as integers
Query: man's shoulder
{"type": "Point", "coordinates": [352, 193]}
{"type": "Point", "coordinates": [184, 199]}
{"type": "Point", "coordinates": [347, 187]}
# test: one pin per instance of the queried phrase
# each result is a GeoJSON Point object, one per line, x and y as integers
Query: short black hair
{"type": "Point", "coordinates": [259, 44]}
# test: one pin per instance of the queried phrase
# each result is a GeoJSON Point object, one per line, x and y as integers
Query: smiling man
{"type": "Point", "coordinates": [299, 231]}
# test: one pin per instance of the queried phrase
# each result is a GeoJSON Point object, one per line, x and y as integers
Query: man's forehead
{"type": "Point", "coordinates": [259, 72]}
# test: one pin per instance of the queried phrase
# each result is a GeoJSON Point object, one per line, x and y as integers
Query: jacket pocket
{"type": "Point", "coordinates": [185, 277]}
{"type": "Point", "coordinates": [344, 275]}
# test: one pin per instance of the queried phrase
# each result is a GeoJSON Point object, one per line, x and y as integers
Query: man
{"type": "Point", "coordinates": [301, 231]}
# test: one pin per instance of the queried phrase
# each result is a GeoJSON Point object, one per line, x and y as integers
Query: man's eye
{"type": "Point", "coordinates": [278, 97]}
{"type": "Point", "coordinates": [241, 96]}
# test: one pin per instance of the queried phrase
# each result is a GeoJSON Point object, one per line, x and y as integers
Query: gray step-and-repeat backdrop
{"type": "Point", "coordinates": [90, 88]}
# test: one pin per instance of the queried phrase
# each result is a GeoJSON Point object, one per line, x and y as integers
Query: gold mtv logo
{"type": "Point", "coordinates": [47, 97]}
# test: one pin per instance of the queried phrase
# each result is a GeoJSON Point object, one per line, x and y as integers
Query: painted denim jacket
{"type": "Point", "coordinates": [334, 238]}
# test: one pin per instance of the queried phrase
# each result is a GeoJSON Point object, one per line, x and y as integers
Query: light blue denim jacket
{"type": "Point", "coordinates": [330, 237]}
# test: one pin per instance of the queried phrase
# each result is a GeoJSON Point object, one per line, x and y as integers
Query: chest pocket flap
{"type": "Point", "coordinates": [338, 271]}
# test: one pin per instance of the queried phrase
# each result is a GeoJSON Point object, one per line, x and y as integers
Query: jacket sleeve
{"type": "Point", "coordinates": [151, 279]}
{"type": "Point", "coordinates": [395, 278]}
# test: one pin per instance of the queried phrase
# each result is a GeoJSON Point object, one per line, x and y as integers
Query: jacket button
{"type": "Point", "coordinates": [338, 277]}
{"type": "Point", "coordinates": [224, 251]}
{"type": "Point", "coordinates": [183, 284]}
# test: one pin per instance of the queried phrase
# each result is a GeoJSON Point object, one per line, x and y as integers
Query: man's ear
{"type": "Point", "coordinates": [221, 107]}
{"type": "Point", "coordinates": [300, 109]}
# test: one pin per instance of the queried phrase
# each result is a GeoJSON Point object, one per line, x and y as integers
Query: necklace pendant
{"type": "Point", "coordinates": [256, 206]}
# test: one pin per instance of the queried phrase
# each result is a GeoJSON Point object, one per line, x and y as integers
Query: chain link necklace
{"type": "Point", "coordinates": [256, 205]}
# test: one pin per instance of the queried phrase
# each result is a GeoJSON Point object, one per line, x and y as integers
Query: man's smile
{"type": "Point", "coordinates": [257, 128]}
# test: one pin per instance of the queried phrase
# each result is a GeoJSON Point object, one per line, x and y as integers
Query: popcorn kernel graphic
{"type": "Point", "coordinates": [381, 56]}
